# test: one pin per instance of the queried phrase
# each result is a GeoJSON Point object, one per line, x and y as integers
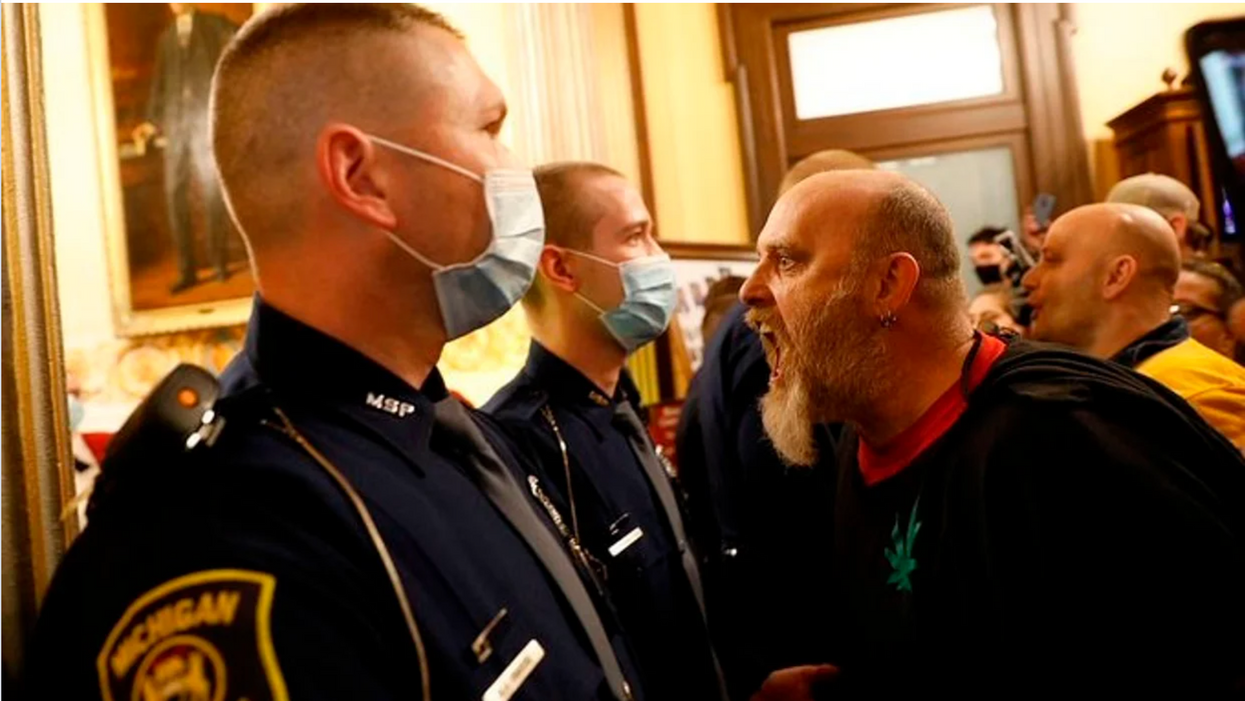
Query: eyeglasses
{"type": "Point", "coordinates": [1191, 311]}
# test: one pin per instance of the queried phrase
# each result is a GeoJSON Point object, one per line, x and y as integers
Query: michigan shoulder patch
{"type": "Point", "coordinates": [205, 636]}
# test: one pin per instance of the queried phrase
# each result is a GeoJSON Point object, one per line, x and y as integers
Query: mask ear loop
{"type": "Point", "coordinates": [444, 164]}
{"type": "Point", "coordinates": [589, 256]}
{"type": "Point", "coordinates": [426, 157]}
{"type": "Point", "coordinates": [578, 295]}
{"type": "Point", "coordinates": [414, 253]}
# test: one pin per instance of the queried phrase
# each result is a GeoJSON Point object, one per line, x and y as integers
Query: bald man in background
{"type": "Point", "coordinates": [1173, 200]}
{"type": "Point", "coordinates": [1105, 285]}
{"type": "Point", "coordinates": [1011, 518]}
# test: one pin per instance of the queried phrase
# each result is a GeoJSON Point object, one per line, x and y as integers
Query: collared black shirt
{"type": "Point", "coordinates": [613, 498]}
{"type": "Point", "coordinates": [1170, 333]}
{"type": "Point", "coordinates": [257, 502]}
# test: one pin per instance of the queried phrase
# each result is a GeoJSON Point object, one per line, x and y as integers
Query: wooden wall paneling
{"type": "Point", "coordinates": [750, 45]}
{"type": "Point", "coordinates": [914, 126]}
{"type": "Point", "coordinates": [1007, 50]}
{"type": "Point", "coordinates": [1164, 134]}
{"type": "Point", "coordinates": [641, 114]}
{"type": "Point", "coordinates": [1038, 102]}
{"type": "Point", "coordinates": [736, 73]}
{"type": "Point", "coordinates": [1060, 159]}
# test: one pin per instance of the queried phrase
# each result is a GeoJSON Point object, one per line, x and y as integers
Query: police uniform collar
{"type": "Point", "coordinates": [566, 385]}
{"type": "Point", "coordinates": [294, 358]}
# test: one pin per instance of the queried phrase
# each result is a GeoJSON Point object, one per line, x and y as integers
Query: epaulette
{"type": "Point", "coordinates": [176, 418]}
{"type": "Point", "coordinates": [524, 402]}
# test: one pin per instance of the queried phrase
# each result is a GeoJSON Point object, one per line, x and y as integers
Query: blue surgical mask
{"type": "Point", "coordinates": [649, 296]}
{"type": "Point", "coordinates": [475, 293]}
{"type": "Point", "coordinates": [77, 412]}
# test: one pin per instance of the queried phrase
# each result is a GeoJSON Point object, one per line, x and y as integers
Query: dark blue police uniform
{"type": "Point", "coordinates": [623, 511]}
{"type": "Point", "coordinates": [246, 566]}
{"type": "Point", "coordinates": [764, 528]}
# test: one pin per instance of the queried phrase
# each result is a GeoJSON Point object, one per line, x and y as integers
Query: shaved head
{"type": "Point", "coordinates": [890, 214]}
{"type": "Point", "coordinates": [569, 212]}
{"type": "Point", "coordinates": [1108, 230]}
{"type": "Point", "coordinates": [1106, 271]}
{"type": "Point", "coordinates": [294, 68]}
{"type": "Point", "coordinates": [1142, 233]}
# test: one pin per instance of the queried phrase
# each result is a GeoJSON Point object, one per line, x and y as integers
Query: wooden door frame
{"type": "Point", "coordinates": [1046, 107]}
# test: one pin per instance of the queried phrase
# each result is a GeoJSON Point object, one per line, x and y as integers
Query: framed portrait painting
{"type": "Point", "coordinates": [176, 261]}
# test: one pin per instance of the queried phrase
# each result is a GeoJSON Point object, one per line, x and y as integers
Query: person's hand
{"type": "Point", "coordinates": [1033, 232]}
{"type": "Point", "coordinates": [141, 135]}
{"type": "Point", "coordinates": [795, 683]}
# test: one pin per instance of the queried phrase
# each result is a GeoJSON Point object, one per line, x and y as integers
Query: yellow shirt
{"type": "Point", "coordinates": [1211, 383]}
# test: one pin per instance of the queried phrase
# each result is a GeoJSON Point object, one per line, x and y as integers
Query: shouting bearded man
{"type": "Point", "coordinates": [1009, 517]}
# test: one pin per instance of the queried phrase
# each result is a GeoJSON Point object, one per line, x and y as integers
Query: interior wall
{"type": "Point", "coordinates": [614, 78]}
{"type": "Point", "coordinates": [1119, 52]}
{"type": "Point", "coordinates": [693, 144]}
{"type": "Point", "coordinates": [113, 373]}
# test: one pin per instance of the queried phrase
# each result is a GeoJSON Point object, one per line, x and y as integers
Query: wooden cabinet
{"type": "Point", "coordinates": [1164, 135]}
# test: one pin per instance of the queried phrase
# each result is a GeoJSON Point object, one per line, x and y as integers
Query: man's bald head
{"type": "Point", "coordinates": [292, 69]}
{"type": "Point", "coordinates": [1108, 230]}
{"type": "Point", "coordinates": [890, 214]}
{"type": "Point", "coordinates": [826, 161]}
{"type": "Point", "coordinates": [1107, 275]}
{"type": "Point", "coordinates": [569, 212]}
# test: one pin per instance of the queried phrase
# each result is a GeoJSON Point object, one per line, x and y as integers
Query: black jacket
{"type": "Point", "coordinates": [1079, 527]}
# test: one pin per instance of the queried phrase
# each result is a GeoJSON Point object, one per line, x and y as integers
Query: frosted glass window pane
{"type": "Point", "coordinates": [883, 64]}
{"type": "Point", "coordinates": [978, 188]}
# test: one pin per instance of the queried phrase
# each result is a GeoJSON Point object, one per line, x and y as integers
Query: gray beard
{"type": "Point", "coordinates": [846, 372]}
{"type": "Point", "coordinates": [784, 413]}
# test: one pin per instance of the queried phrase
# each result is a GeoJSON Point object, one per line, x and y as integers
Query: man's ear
{"type": "Point", "coordinates": [556, 270]}
{"type": "Point", "coordinates": [1180, 224]}
{"type": "Point", "coordinates": [899, 278]}
{"type": "Point", "coordinates": [1120, 274]}
{"type": "Point", "coordinates": [348, 164]}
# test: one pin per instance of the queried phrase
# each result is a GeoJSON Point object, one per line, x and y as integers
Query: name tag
{"type": "Point", "coordinates": [515, 673]}
{"type": "Point", "coordinates": [626, 541]}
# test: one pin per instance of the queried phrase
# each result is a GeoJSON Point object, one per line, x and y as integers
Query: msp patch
{"type": "Point", "coordinates": [201, 637]}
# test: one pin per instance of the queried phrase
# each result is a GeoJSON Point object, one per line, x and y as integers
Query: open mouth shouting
{"type": "Point", "coordinates": [773, 352]}
{"type": "Point", "coordinates": [770, 341]}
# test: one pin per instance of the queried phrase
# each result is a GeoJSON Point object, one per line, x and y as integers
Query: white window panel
{"type": "Point", "coordinates": [883, 64]}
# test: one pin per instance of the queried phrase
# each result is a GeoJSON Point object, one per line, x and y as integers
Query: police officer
{"type": "Point", "coordinates": [353, 531]}
{"type": "Point", "coordinates": [605, 288]}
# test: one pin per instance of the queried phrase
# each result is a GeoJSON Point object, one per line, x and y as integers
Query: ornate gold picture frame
{"type": "Point", "coordinates": [175, 262]}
